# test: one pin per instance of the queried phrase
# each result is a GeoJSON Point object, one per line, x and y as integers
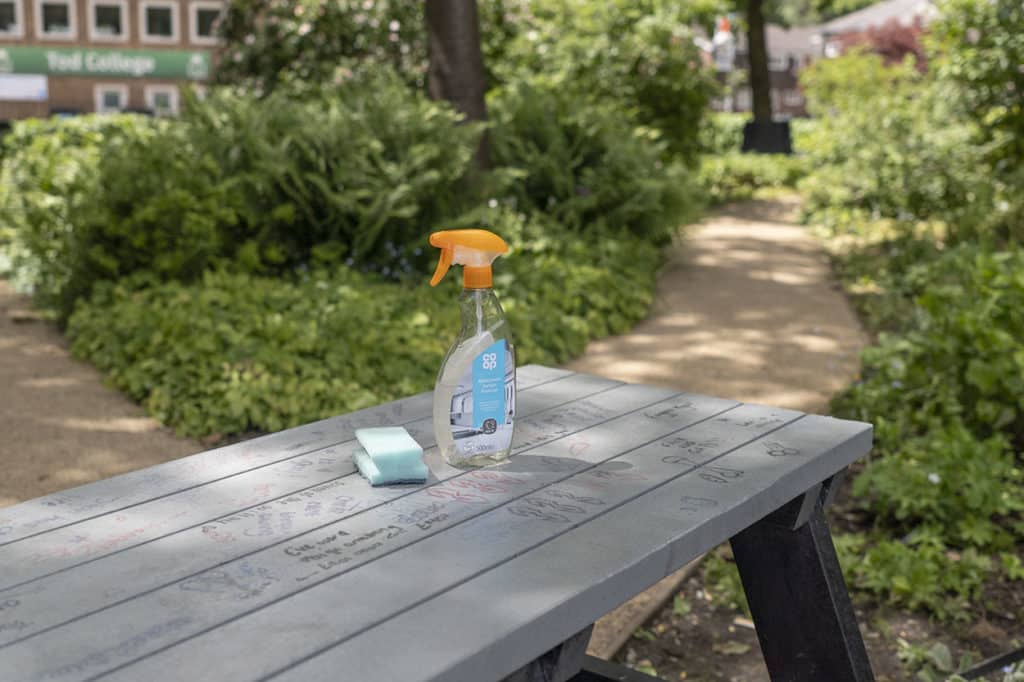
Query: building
{"type": "Point", "coordinates": [78, 56]}
{"type": "Point", "coordinates": [790, 50]}
{"type": "Point", "coordinates": [907, 13]}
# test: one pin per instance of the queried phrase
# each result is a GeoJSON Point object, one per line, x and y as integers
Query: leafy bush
{"type": "Point", "coordinates": [959, 356]}
{"type": "Point", "coordinates": [736, 176]}
{"type": "Point", "coordinates": [49, 179]}
{"type": "Point", "coordinates": [586, 167]}
{"type": "Point", "coordinates": [270, 44]}
{"type": "Point", "coordinates": [359, 171]}
{"type": "Point", "coordinates": [638, 57]}
{"type": "Point", "coordinates": [233, 352]}
{"type": "Point", "coordinates": [722, 133]}
{"type": "Point", "coordinates": [267, 185]}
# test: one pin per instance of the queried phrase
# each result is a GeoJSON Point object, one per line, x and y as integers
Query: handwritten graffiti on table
{"type": "Point", "coordinates": [776, 449]}
{"type": "Point", "coordinates": [241, 582]}
{"type": "Point", "coordinates": [673, 411]}
{"type": "Point", "coordinates": [689, 504]}
{"type": "Point", "coordinates": [340, 547]}
{"type": "Point", "coordinates": [709, 472]}
{"type": "Point", "coordinates": [748, 422]}
{"type": "Point", "coordinates": [694, 447]}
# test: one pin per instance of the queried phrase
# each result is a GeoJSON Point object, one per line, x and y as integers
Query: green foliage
{"type": "Point", "coordinates": [722, 579]}
{"type": "Point", "coordinates": [979, 46]}
{"type": "Point", "coordinates": [722, 133]}
{"type": "Point", "coordinates": [932, 664]}
{"type": "Point", "coordinates": [922, 573]}
{"type": "Point", "coordinates": [910, 178]}
{"type": "Point", "coordinates": [737, 176]}
{"type": "Point", "coordinates": [940, 388]}
{"type": "Point", "coordinates": [233, 352]}
{"type": "Point", "coordinates": [49, 179]}
{"type": "Point", "coordinates": [586, 167]}
{"type": "Point", "coordinates": [637, 56]}
{"type": "Point", "coordinates": [959, 355]}
{"type": "Point", "coordinates": [948, 477]}
{"type": "Point", "coordinates": [270, 44]}
{"type": "Point", "coordinates": [362, 171]}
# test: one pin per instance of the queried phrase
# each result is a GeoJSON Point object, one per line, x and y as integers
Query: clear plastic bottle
{"type": "Point", "coordinates": [474, 397]}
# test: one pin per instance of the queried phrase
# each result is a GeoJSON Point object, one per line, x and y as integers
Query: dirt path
{"type": "Point", "coordinates": [747, 309]}
{"type": "Point", "coordinates": [60, 425]}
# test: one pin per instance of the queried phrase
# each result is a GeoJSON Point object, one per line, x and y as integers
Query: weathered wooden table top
{"type": "Point", "coordinates": [272, 559]}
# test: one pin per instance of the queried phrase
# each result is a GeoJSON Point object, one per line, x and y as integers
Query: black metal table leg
{"type": "Point", "coordinates": [802, 611]}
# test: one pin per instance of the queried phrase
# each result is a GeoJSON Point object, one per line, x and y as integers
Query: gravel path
{"type": "Point", "coordinates": [59, 425]}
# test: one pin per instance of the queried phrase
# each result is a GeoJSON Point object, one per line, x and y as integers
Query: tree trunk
{"type": "Point", "coordinates": [760, 80]}
{"type": "Point", "coordinates": [456, 69]}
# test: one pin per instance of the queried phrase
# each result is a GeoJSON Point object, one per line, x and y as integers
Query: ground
{"type": "Point", "coordinates": [61, 426]}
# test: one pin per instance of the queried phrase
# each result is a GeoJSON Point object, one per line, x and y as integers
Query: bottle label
{"type": "Point", "coordinates": [483, 405]}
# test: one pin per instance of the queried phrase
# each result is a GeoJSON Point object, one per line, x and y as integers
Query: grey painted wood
{"type": "Point", "coordinates": [62, 548]}
{"type": "Point", "coordinates": [516, 521]}
{"type": "Point", "coordinates": [53, 599]}
{"type": "Point", "coordinates": [588, 570]}
{"type": "Point", "coordinates": [120, 492]}
{"type": "Point", "coordinates": [180, 610]}
{"type": "Point", "coordinates": [612, 488]}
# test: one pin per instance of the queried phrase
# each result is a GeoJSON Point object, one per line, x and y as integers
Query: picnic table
{"type": "Point", "coordinates": [273, 559]}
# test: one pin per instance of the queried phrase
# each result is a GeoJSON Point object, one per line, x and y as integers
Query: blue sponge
{"type": "Point", "coordinates": [390, 455]}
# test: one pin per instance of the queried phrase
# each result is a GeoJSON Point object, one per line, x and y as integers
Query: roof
{"type": "Point", "coordinates": [796, 39]}
{"type": "Point", "coordinates": [903, 11]}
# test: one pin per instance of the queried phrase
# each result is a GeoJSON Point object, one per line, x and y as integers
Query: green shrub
{"type": "Point", "coordinates": [722, 133]}
{"type": "Point", "coordinates": [948, 478]}
{"type": "Point", "coordinates": [637, 57]}
{"type": "Point", "coordinates": [361, 172]}
{"type": "Point", "coordinates": [586, 167]}
{"type": "Point", "coordinates": [959, 355]}
{"type": "Point", "coordinates": [736, 176]}
{"type": "Point", "coordinates": [49, 179]}
{"type": "Point", "coordinates": [270, 44]}
{"type": "Point", "coordinates": [233, 352]}
{"type": "Point", "coordinates": [924, 575]}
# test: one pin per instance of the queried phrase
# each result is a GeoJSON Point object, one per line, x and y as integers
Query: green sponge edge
{"type": "Point", "coordinates": [411, 471]}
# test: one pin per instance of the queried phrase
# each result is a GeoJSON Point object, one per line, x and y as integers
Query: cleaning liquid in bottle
{"type": "Point", "coordinates": [475, 393]}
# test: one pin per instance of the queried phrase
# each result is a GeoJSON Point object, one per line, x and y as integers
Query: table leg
{"type": "Point", "coordinates": [558, 664]}
{"type": "Point", "coordinates": [795, 588]}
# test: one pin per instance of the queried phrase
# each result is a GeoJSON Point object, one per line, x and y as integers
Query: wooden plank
{"type": "Point", "coordinates": [573, 579]}
{"type": "Point", "coordinates": [47, 601]}
{"type": "Point", "coordinates": [351, 602]}
{"type": "Point", "coordinates": [104, 640]}
{"type": "Point", "coordinates": [47, 553]}
{"type": "Point", "coordinates": [120, 492]}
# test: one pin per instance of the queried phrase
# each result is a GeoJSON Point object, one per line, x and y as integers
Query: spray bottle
{"type": "Point", "coordinates": [475, 393]}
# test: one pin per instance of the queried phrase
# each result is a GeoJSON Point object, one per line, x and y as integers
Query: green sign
{"type": "Point", "coordinates": [56, 61]}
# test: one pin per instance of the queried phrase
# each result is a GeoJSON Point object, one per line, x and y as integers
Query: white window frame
{"type": "Point", "coordinates": [72, 33]}
{"type": "Point", "coordinates": [175, 36]}
{"type": "Point", "coordinates": [100, 88]}
{"type": "Point", "coordinates": [95, 35]}
{"type": "Point", "coordinates": [193, 21]}
{"type": "Point", "coordinates": [150, 92]}
{"type": "Point", "coordinates": [19, 22]}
